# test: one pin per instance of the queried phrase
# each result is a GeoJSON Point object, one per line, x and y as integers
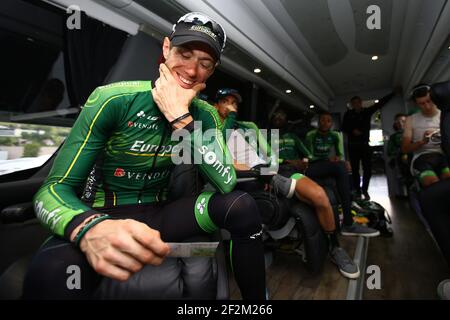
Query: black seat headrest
{"type": "Point", "coordinates": [440, 94]}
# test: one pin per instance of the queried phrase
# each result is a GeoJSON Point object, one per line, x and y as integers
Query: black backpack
{"type": "Point", "coordinates": [378, 216]}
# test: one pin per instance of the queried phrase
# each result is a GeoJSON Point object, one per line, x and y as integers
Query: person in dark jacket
{"type": "Point", "coordinates": [356, 125]}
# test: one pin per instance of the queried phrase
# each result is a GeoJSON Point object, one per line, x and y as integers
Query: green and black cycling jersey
{"type": "Point", "coordinates": [259, 143]}
{"type": "Point", "coordinates": [292, 148]}
{"type": "Point", "coordinates": [321, 144]}
{"type": "Point", "coordinates": [120, 149]}
{"type": "Point", "coordinates": [394, 148]}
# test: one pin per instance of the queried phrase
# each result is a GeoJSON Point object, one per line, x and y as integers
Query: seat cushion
{"type": "Point", "coordinates": [11, 281]}
{"type": "Point", "coordinates": [175, 278]}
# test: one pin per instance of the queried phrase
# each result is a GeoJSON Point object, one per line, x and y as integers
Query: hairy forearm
{"type": "Point", "coordinates": [412, 146]}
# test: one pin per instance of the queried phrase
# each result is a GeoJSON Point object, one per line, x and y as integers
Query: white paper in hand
{"type": "Point", "coordinates": [192, 249]}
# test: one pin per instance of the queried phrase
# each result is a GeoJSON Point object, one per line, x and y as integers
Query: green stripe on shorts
{"type": "Point", "coordinates": [297, 176]}
{"type": "Point", "coordinates": [445, 170]}
{"type": "Point", "coordinates": [427, 173]}
{"type": "Point", "coordinates": [202, 214]}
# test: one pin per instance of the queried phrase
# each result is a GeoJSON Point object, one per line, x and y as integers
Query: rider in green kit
{"type": "Point", "coordinates": [120, 149]}
{"type": "Point", "coordinates": [324, 164]}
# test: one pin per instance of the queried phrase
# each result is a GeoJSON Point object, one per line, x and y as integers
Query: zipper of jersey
{"type": "Point", "coordinates": [163, 137]}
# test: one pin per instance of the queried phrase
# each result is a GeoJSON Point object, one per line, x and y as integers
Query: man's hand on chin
{"type": "Point", "coordinates": [172, 99]}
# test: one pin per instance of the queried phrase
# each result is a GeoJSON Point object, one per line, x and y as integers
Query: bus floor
{"type": "Point", "coordinates": [410, 262]}
{"type": "Point", "coordinates": [288, 279]}
{"type": "Point", "coordinates": [411, 265]}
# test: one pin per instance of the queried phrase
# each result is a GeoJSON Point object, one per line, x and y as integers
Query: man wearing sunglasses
{"type": "Point", "coordinates": [124, 218]}
{"type": "Point", "coordinates": [428, 162]}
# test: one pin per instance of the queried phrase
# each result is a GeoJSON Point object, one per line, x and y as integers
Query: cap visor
{"type": "Point", "coordinates": [180, 40]}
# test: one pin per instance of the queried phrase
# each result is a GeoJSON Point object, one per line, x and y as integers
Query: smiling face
{"type": "Point", "coordinates": [190, 64]}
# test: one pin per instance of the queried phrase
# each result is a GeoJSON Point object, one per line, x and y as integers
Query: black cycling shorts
{"type": "Point", "coordinates": [431, 164]}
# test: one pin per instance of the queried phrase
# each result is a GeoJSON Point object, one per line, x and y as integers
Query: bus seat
{"type": "Point", "coordinates": [176, 278]}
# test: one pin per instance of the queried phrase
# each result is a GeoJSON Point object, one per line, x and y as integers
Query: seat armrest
{"type": "Point", "coordinates": [17, 213]}
{"type": "Point", "coordinates": [253, 173]}
{"type": "Point", "coordinates": [240, 174]}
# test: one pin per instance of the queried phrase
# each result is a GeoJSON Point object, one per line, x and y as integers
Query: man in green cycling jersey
{"type": "Point", "coordinates": [292, 151]}
{"type": "Point", "coordinates": [324, 163]}
{"type": "Point", "coordinates": [256, 151]}
{"type": "Point", "coordinates": [121, 149]}
{"type": "Point", "coordinates": [323, 140]}
{"type": "Point", "coordinates": [295, 154]}
{"type": "Point", "coordinates": [394, 148]}
{"type": "Point", "coordinates": [398, 159]}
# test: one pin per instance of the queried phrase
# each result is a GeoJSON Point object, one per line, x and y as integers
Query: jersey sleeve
{"type": "Point", "coordinates": [338, 144]}
{"type": "Point", "coordinates": [309, 143]}
{"type": "Point", "coordinates": [56, 203]}
{"type": "Point", "coordinates": [392, 148]}
{"type": "Point", "coordinates": [263, 145]}
{"type": "Point", "coordinates": [301, 147]}
{"type": "Point", "coordinates": [210, 152]}
{"type": "Point", "coordinates": [228, 125]}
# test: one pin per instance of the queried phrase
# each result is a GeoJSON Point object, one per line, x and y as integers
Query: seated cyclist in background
{"type": "Point", "coordinates": [246, 155]}
{"type": "Point", "coordinates": [394, 148]}
{"type": "Point", "coordinates": [323, 165]}
{"type": "Point", "coordinates": [398, 159]}
{"type": "Point", "coordinates": [293, 155]}
{"type": "Point", "coordinates": [124, 219]}
{"type": "Point", "coordinates": [428, 162]}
